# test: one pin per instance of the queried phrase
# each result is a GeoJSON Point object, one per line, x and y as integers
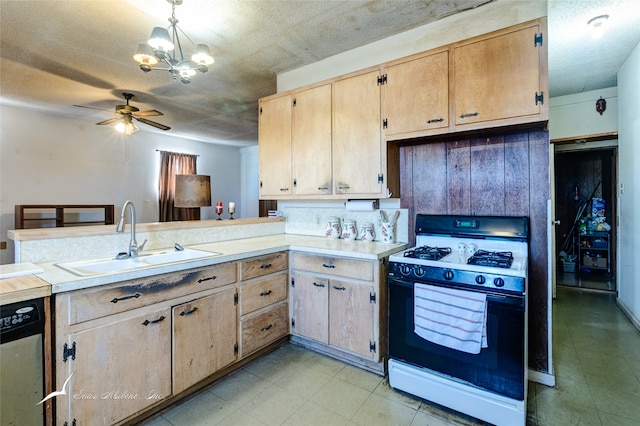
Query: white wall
{"type": "Point", "coordinates": [629, 186]}
{"type": "Point", "coordinates": [576, 115]}
{"type": "Point", "coordinates": [49, 159]}
{"type": "Point", "coordinates": [491, 17]}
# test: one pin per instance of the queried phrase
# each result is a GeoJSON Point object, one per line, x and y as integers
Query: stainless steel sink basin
{"type": "Point", "coordinates": [147, 260]}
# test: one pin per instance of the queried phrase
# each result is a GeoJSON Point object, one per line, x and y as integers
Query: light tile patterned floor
{"type": "Point", "coordinates": [597, 362]}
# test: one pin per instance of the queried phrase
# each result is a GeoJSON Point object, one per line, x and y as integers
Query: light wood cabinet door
{"type": "Point", "coordinates": [498, 77]}
{"type": "Point", "coordinates": [309, 307]}
{"type": "Point", "coordinates": [416, 95]}
{"type": "Point", "coordinates": [204, 338]}
{"type": "Point", "coordinates": [274, 149]}
{"type": "Point", "coordinates": [311, 141]}
{"type": "Point", "coordinates": [263, 293]}
{"type": "Point", "coordinates": [119, 369]}
{"type": "Point", "coordinates": [351, 314]}
{"type": "Point", "coordinates": [357, 136]}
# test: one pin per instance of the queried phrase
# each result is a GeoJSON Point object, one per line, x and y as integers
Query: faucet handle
{"type": "Point", "coordinates": [141, 246]}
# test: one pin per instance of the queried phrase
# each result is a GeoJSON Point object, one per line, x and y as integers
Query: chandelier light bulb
{"type": "Point", "coordinates": [160, 40]}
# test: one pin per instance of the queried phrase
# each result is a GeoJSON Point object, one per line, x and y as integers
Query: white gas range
{"type": "Point", "coordinates": [469, 255]}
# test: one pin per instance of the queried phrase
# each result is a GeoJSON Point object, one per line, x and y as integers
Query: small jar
{"type": "Point", "coordinates": [367, 233]}
{"type": "Point", "coordinates": [333, 230]}
{"type": "Point", "coordinates": [388, 233]}
{"type": "Point", "coordinates": [349, 231]}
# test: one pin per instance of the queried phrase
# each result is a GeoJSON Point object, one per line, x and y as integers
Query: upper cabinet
{"type": "Point", "coordinates": [274, 148]}
{"type": "Point", "coordinates": [357, 141]}
{"type": "Point", "coordinates": [501, 78]}
{"type": "Point", "coordinates": [416, 95]}
{"type": "Point", "coordinates": [329, 140]}
{"type": "Point", "coordinates": [311, 141]}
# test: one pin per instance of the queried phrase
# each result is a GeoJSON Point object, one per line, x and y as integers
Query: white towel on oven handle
{"type": "Point", "coordinates": [453, 318]}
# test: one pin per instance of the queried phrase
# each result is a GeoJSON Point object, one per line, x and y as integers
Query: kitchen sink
{"type": "Point", "coordinates": [110, 265]}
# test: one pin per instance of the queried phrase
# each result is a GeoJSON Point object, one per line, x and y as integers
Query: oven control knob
{"type": "Point", "coordinates": [480, 279]}
{"type": "Point", "coordinates": [418, 271]}
{"type": "Point", "coordinates": [405, 269]}
{"type": "Point", "coordinates": [447, 275]}
{"type": "Point", "coordinates": [499, 282]}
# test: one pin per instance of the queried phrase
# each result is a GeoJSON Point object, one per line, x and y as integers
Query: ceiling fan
{"type": "Point", "coordinates": [126, 114]}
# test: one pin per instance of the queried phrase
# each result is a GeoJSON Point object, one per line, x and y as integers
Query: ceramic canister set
{"type": "Point", "coordinates": [349, 231]}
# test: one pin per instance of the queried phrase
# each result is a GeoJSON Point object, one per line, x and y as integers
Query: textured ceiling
{"type": "Point", "coordinates": [55, 54]}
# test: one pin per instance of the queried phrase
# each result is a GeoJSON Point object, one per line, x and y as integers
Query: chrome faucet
{"type": "Point", "coordinates": [134, 248]}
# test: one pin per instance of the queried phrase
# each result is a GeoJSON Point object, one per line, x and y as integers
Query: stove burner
{"type": "Point", "coordinates": [499, 259]}
{"type": "Point", "coordinates": [428, 253]}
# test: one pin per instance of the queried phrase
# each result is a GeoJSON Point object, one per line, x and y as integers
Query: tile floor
{"type": "Point", "coordinates": [595, 280]}
{"type": "Point", "coordinates": [597, 362]}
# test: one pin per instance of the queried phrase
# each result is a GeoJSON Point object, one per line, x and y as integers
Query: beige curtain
{"type": "Point", "coordinates": [172, 164]}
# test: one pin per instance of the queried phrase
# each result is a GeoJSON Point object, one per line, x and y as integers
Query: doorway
{"type": "Point", "coordinates": [585, 204]}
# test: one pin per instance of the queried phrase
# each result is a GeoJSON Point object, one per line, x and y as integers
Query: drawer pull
{"type": "Point", "coordinates": [323, 188]}
{"type": "Point", "coordinates": [267, 266]}
{"type": "Point", "coordinates": [265, 293]}
{"type": "Point", "coordinates": [471, 114]}
{"type": "Point", "coordinates": [318, 285]}
{"type": "Point", "coordinates": [328, 266]}
{"type": "Point", "coordinates": [212, 277]}
{"type": "Point", "coordinates": [266, 328]}
{"type": "Point", "coordinates": [118, 299]}
{"type": "Point", "coordinates": [183, 313]}
{"type": "Point", "coordinates": [435, 120]}
{"type": "Point", "coordinates": [147, 322]}
{"type": "Point", "coordinates": [339, 288]}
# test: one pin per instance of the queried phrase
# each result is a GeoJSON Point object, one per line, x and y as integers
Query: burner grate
{"type": "Point", "coordinates": [499, 259]}
{"type": "Point", "coordinates": [428, 253]}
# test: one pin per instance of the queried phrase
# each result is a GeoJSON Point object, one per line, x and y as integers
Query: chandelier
{"type": "Point", "coordinates": [166, 49]}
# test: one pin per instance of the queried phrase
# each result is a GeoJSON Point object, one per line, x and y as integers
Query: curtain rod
{"type": "Point", "coordinates": [177, 153]}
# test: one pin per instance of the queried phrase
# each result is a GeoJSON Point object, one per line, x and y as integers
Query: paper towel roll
{"type": "Point", "coordinates": [360, 205]}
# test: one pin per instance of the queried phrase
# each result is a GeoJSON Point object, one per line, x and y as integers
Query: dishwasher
{"type": "Point", "coordinates": [22, 363]}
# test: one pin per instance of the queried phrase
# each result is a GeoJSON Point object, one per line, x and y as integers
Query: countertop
{"type": "Point", "coordinates": [21, 288]}
{"type": "Point", "coordinates": [61, 281]}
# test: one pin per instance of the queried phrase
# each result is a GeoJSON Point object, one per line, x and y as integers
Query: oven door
{"type": "Point", "coordinates": [499, 368]}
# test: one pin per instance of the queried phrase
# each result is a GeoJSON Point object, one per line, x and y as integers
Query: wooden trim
{"type": "Point", "coordinates": [587, 138]}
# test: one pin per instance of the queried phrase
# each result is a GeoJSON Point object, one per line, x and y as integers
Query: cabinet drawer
{"type": "Point", "coordinates": [263, 329]}
{"type": "Point", "coordinates": [263, 265]}
{"type": "Point", "coordinates": [263, 293]}
{"type": "Point", "coordinates": [89, 304]}
{"type": "Point", "coordinates": [350, 268]}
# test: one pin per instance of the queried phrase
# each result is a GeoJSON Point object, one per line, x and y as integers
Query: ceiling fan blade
{"type": "Point", "coordinates": [148, 113]}
{"type": "Point", "coordinates": [152, 123]}
{"type": "Point", "coordinates": [109, 121]}
{"type": "Point", "coordinates": [96, 109]}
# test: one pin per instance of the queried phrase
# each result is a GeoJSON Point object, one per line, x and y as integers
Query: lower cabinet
{"type": "Point", "coordinates": [204, 338]}
{"type": "Point", "coordinates": [336, 302]}
{"type": "Point", "coordinates": [115, 370]}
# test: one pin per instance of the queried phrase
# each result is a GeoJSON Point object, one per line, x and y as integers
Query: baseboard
{"type": "Point", "coordinates": [634, 320]}
{"type": "Point", "coordinates": [542, 378]}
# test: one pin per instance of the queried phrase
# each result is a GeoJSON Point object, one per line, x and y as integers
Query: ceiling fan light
{"type": "Point", "coordinates": [160, 40]}
{"type": "Point", "coordinates": [144, 55]}
{"type": "Point", "coordinates": [202, 55]}
{"type": "Point", "coordinates": [127, 126]}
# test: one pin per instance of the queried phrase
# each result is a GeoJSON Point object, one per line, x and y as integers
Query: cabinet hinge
{"type": "Point", "coordinates": [235, 299]}
{"type": "Point", "coordinates": [372, 346]}
{"type": "Point", "coordinates": [540, 98]}
{"type": "Point", "coordinates": [295, 101]}
{"type": "Point", "coordinates": [372, 297]}
{"type": "Point", "coordinates": [380, 178]}
{"type": "Point", "coordinates": [293, 282]}
{"type": "Point", "coordinates": [73, 423]}
{"type": "Point", "coordinates": [295, 183]}
{"type": "Point", "coordinates": [69, 352]}
{"type": "Point", "coordinates": [260, 110]}
{"type": "Point", "coordinates": [293, 323]}
{"type": "Point", "coordinates": [382, 79]}
{"type": "Point", "coordinates": [537, 39]}
{"type": "Point", "coordinates": [235, 349]}
{"type": "Point", "coordinates": [260, 184]}
{"type": "Point", "coordinates": [384, 123]}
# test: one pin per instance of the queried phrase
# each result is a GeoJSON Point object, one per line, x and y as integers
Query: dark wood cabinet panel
{"type": "Point", "coordinates": [503, 174]}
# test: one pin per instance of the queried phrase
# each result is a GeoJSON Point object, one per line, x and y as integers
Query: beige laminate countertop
{"type": "Point", "coordinates": [61, 281]}
{"type": "Point", "coordinates": [21, 288]}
